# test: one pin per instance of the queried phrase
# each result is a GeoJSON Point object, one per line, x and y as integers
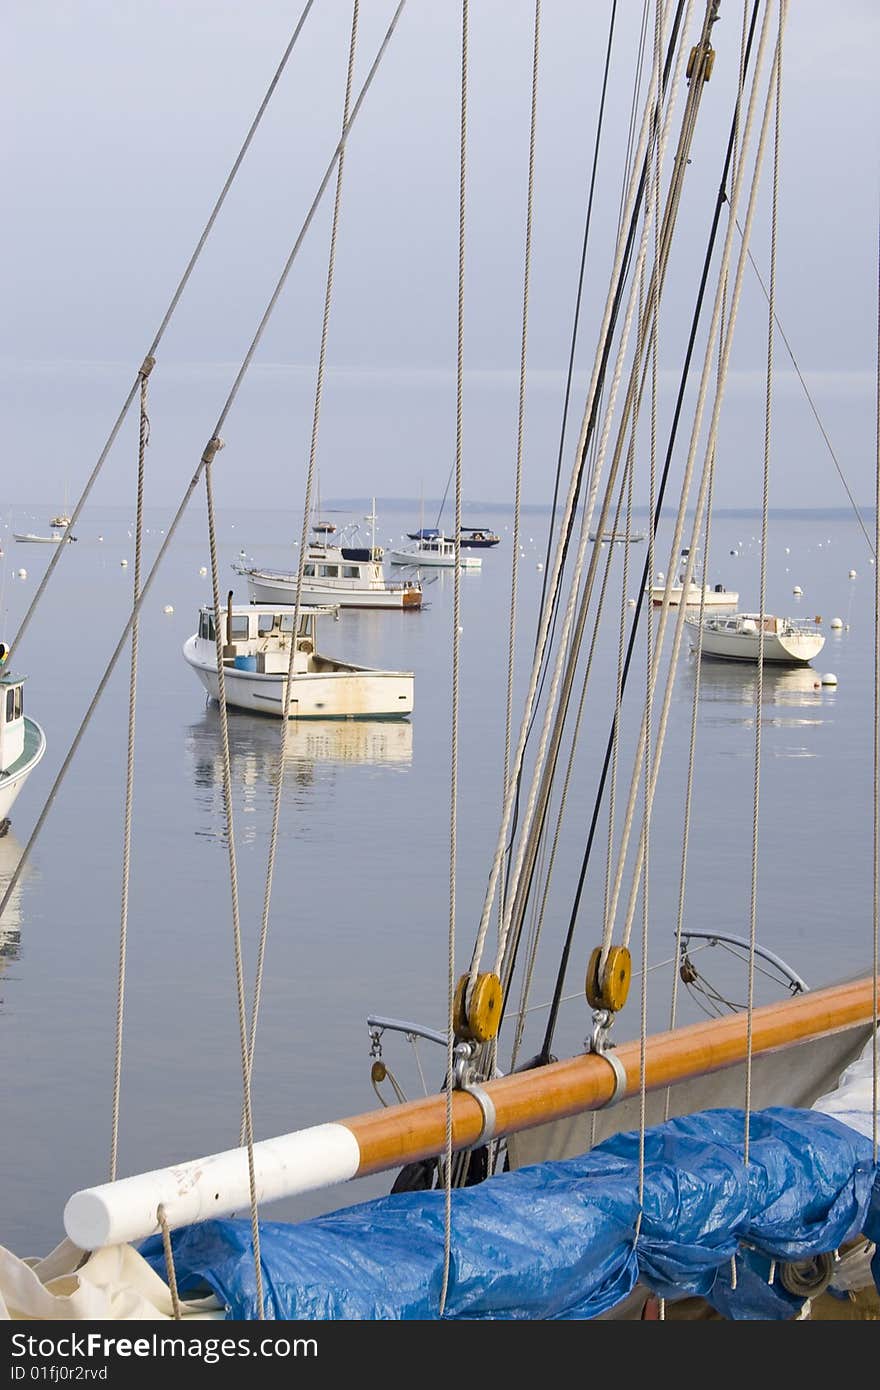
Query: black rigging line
{"type": "Point", "coordinates": [721, 199]}
{"type": "Point", "coordinates": [606, 352]}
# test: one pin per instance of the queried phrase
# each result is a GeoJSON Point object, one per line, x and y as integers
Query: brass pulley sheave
{"type": "Point", "coordinates": [479, 1019]}
{"type": "Point", "coordinates": [607, 986]}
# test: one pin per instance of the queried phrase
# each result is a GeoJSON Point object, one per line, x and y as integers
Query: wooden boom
{"type": "Point", "coordinates": [327, 1154]}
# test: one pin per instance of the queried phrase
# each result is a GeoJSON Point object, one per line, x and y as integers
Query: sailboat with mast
{"type": "Point", "coordinates": [732, 1161]}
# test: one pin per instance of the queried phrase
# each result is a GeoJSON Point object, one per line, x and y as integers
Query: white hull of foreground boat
{"type": "Point", "coordinates": [791, 646]}
{"type": "Point", "coordinates": [15, 776]}
{"type": "Point", "coordinates": [266, 587]}
{"type": "Point", "coordinates": [347, 692]}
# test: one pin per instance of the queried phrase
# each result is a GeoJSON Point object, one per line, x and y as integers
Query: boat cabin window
{"type": "Point", "coordinates": [309, 571]}
{"type": "Point", "coordinates": [351, 572]}
{"type": "Point", "coordinates": [14, 703]}
{"type": "Point", "coordinates": [265, 623]}
{"type": "Point", "coordinates": [206, 626]}
{"type": "Point", "coordinates": [287, 622]}
{"type": "Point", "coordinates": [240, 627]}
{"type": "Point", "coordinates": [329, 571]}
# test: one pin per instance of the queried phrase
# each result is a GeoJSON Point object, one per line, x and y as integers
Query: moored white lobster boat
{"type": "Point", "coordinates": [22, 742]}
{"type": "Point", "coordinates": [256, 657]}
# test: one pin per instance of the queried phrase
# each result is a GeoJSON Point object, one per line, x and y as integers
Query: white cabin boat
{"type": "Point", "coordinates": [697, 591]}
{"type": "Point", "coordinates": [256, 656]}
{"type": "Point", "coordinates": [349, 576]}
{"type": "Point", "coordinates": [29, 538]}
{"type": "Point", "coordinates": [437, 551]}
{"type": "Point", "coordinates": [22, 742]}
{"type": "Point", "coordinates": [788, 641]}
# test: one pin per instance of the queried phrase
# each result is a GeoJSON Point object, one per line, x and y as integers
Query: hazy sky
{"type": "Point", "coordinates": [120, 123]}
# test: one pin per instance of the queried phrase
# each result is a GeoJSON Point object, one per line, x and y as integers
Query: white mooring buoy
{"type": "Point", "coordinates": [22, 574]}
{"type": "Point", "coordinates": [852, 574]}
{"type": "Point", "coordinates": [168, 608]}
{"type": "Point", "coordinates": [797, 590]}
{"type": "Point", "coordinates": [836, 623]}
{"type": "Point", "coordinates": [203, 570]}
{"type": "Point", "coordinates": [829, 678]}
{"type": "Point", "coordinates": [123, 564]}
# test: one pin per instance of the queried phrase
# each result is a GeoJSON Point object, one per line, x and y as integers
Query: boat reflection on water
{"type": "Point", "coordinates": [737, 683]}
{"type": "Point", "coordinates": [10, 926]}
{"type": "Point", "coordinates": [254, 742]}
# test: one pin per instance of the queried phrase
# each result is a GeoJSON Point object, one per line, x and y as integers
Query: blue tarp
{"type": "Point", "coordinates": [557, 1240]}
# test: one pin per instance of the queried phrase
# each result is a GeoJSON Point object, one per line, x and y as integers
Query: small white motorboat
{"type": "Point", "coordinates": [28, 538]}
{"type": "Point", "coordinates": [256, 658]}
{"type": "Point", "coordinates": [697, 592]}
{"type": "Point", "coordinates": [737, 637]}
{"type": "Point", "coordinates": [22, 741]}
{"type": "Point", "coordinates": [436, 551]}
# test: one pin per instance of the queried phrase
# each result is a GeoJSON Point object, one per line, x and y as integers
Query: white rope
{"type": "Point", "coordinates": [686, 484]}
{"type": "Point", "coordinates": [593, 489]}
{"type": "Point", "coordinates": [233, 887]}
{"type": "Point", "coordinates": [652, 503]}
{"type": "Point", "coordinates": [540, 645]}
{"type": "Point", "coordinates": [211, 448]}
{"type": "Point", "coordinates": [520, 420]}
{"type": "Point", "coordinates": [456, 651]}
{"type": "Point", "coordinates": [876, 902]}
{"type": "Point", "coordinates": [160, 332]}
{"type": "Point", "coordinates": [762, 599]}
{"type": "Point", "coordinates": [143, 439]}
{"type": "Point", "coordinates": [688, 802]}
{"type": "Point", "coordinates": [307, 505]}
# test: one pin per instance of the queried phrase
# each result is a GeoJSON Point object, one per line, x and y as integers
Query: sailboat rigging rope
{"type": "Point", "coordinates": [211, 448]}
{"type": "Point", "coordinates": [653, 351]}
{"type": "Point", "coordinates": [688, 795]}
{"type": "Point", "coordinates": [876, 845]}
{"type": "Point", "coordinates": [233, 885]}
{"type": "Point", "coordinates": [456, 654]}
{"type": "Point", "coordinates": [692, 742]}
{"type": "Point", "coordinates": [307, 505]}
{"type": "Point", "coordinates": [762, 588]}
{"type": "Point", "coordinates": [160, 332]}
{"type": "Point", "coordinates": [169, 1260]}
{"type": "Point", "coordinates": [604, 333]}
{"type": "Point", "coordinates": [684, 378]}
{"type": "Point", "coordinates": [687, 577]}
{"type": "Point", "coordinates": [563, 800]}
{"type": "Point", "coordinates": [143, 440]}
{"type": "Point", "coordinates": [591, 444]}
{"type": "Point", "coordinates": [520, 420]}
{"type": "Point", "coordinates": [571, 605]}
{"type": "Point", "coordinates": [813, 407]}
{"type": "Point", "coordinates": [632, 398]}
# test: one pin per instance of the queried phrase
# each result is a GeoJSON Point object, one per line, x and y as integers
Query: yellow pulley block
{"type": "Point", "coordinates": [378, 1072]}
{"type": "Point", "coordinates": [479, 1022]}
{"type": "Point", "coordinates": [607, 986]}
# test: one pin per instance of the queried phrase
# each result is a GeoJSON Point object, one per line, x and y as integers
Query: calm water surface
{"type": "Point", "coordinates": [360, 905]}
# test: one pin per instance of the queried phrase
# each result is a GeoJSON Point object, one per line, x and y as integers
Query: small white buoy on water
{"type": "Point", "coordinates": [124, 564]}
{"type": "Point", "coordinates": [203, 570]}
{"type": "Point", "coordinates": [836, 623]}
{"type": "Point", "coordinates": [460, 628]}
{"type": "Point", "coordinates": [168, 608]}
{"type": "Point", "coordinates": [852, 574]}
{"type": "Point", "coordinates": [788, 550]}
{"type": "Point", "coordinates": [22, 574]}
{"type": "Point", "coordinates": [539, 567]}
{"type": "Point", "coordinates": [100, 538]}
{"type": "Point", "coordinates": [829, 678]}
{"type": "Point", "coordinates": [797, 589]}
{"type": "Point", "coordinates": [630, 603]}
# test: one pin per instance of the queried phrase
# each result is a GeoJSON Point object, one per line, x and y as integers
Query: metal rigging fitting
{"type": "Point", "coordinates": [604, 1048]}
{"type": "Point", "coordinates": [607, 985]}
